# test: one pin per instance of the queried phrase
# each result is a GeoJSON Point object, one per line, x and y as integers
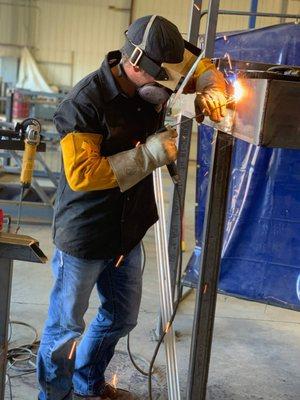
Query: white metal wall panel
{"type": "Point", "coordinates": [293, 7]}
{"type": "Point", "coordinates": [11, 32]}
{"type": "Point", "coordinates": [86, 27]}
{"type": "Point", "coordinates": [177, 11]}
{"type": "Point", "coordinates": [269, 7]}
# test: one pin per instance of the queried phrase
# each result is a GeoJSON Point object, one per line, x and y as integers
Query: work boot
{"type": "Point", "coordinates": [108, 393]}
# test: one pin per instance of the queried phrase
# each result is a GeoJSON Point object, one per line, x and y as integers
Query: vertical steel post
{"type": "Point", "coordinates": [214, 215]}
{"type": "Point", "coordinates": [210, 265]}
{"type": "Point", "coordinates": [284, 10]}
{"type": "Point", "coordinates": [165, 289]}
{"type": "Point", "coordinates": [184, 145]}
{"type": "Point", "coordinates": [252, 18]}
{"type": "Point", "coordinates": [211, 28]}
{"type": "Point", "coordinates": [195, 18]}
{"type": "Point", "coordinates": [5, 293]}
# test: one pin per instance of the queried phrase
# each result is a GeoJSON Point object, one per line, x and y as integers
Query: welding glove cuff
{"type": "Point", "coordinates": [133, 165]}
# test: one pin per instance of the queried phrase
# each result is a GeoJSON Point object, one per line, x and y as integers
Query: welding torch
{"type": "Point", "coordinates": [172, 167]}
{"type": "Point", "coordinates": [31, 129]}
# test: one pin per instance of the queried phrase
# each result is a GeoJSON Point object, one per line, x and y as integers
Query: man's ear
{"type": "Point", "coordinates": [136, 68]}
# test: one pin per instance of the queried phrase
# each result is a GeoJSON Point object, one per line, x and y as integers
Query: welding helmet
{"type": "Point", "coordinates": [154, 44]}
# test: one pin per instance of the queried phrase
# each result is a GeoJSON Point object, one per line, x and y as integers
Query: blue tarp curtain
{"type": "Point", "coordinates": [261, 250]}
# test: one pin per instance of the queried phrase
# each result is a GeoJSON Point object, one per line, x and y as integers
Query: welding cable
{"type": "Point", "coordinates": [180, 250]}
{"type": "Point", "coordinates": [139, 369]}
{"type": "Point", "coordinates": [143, 257]}
{"type": "Point", "coordinates": [131, 356]}
{"type": "Point", "coordinates": [178, 274]}
{"type": "Point", "coordinates": [23, 354]}
{"type": "Point", "coordinates": [168, 326]}
{"type": "Point", "coordinates": [32, 328]}
{"type": "Point", "coordinates": [170, 322]}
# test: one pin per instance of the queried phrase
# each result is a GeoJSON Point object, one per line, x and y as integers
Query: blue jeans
{"type": "Point", "coordinates": [61, 367]}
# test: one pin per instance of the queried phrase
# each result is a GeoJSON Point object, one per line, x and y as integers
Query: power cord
{"type": "Point", "coordinates": [20, 355]}
{"type": "Point", "coordinates": [128, 336]}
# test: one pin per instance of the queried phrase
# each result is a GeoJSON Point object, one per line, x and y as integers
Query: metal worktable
{"type": "Point", "coordinates": [12, 247]}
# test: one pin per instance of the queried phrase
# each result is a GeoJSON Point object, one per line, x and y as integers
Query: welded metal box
{"type": "Point", "coordinates": [268, 113]}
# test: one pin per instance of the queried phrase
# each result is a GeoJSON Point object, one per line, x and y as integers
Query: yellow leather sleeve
{"type": "Point", "coordinates": [85, 168]}
{"type": "Point", "coordinates": [204, 65]}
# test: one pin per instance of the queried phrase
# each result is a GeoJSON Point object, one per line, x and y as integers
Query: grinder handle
{"type": "Point", "coordinates": [28, 164]}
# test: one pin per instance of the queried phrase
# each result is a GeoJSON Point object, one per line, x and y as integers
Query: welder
{"type": "Point", "coordinates": [105, 202]}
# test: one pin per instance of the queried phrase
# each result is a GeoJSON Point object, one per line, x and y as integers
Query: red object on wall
{"type": "Point", "coordinates": [21, 106]}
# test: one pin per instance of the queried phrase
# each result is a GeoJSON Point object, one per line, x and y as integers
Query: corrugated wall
{"type": "Point", "coordinates": [77, 34]}
{"type": "Point", "coordinates": [17, 25]}
{"type": "Point", "coordinates": [71, 37]}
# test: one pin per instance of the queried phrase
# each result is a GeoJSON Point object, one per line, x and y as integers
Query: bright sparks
{"type": "Point", "coordinates": [114, 381]}
{"type": "Point", "coordinates": [238, 90]}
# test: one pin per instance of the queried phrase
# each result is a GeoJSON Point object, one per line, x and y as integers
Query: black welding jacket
{"type": "Point", "coordinates": [104, 223]}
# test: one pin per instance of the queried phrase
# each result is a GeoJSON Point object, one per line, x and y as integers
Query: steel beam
{"type": "Point", "coordinates": [211, 28]}
{"type": "Point", "coordinates": [210, 265]}
{"type": "Point", "coordinates": [257, 14]}
{"type": "Point", "coordinates": [284, 9]}
{"type": "Point", "coordinates": [253, 9]}
{"type": "Point", "coordinates": [174, 245]}
{"type": "Point", "coordinates": [32, 212]}
{"type": "Point", "coordinates": [195, 17]}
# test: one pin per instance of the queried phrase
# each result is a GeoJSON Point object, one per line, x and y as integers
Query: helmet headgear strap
{"type": "Point", "coordinates": [138, 57]}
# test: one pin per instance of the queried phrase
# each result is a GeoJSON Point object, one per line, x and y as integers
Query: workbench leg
{"type": "Point", "coordinates": [215, 213]}
{"type": "Point", "coordinates": [5, 293]}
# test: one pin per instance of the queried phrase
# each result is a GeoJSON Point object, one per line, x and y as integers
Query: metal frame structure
{"type": "Point", "coordinates": [215, 210]}
{"type": "Point", "coordinates": [184, 144]}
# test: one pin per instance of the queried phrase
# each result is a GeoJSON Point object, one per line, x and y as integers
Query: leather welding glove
{"type": "Point", "coordinates": [211, 94]}
{"type": "Point", "coordinates": [133, 165]}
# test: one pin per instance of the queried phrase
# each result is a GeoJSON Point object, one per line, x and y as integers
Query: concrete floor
{"type": "Point", "coordinates": [256, 349]}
